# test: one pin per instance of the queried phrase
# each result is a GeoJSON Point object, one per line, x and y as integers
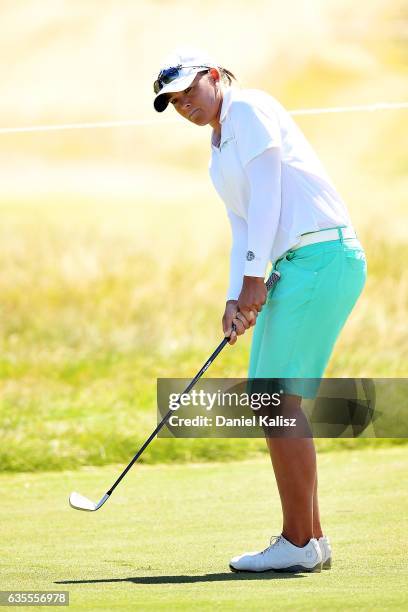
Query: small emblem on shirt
{"type": "Point", "coordinates": [250, 255]}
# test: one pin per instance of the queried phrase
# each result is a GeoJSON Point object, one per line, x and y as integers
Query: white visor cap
{"type": "Point", "coordinates": [190, 61]}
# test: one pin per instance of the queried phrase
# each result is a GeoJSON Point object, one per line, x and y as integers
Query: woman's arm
{"type": "Point", "coordinates": [264, 175]}
{"type": "Point", "coordinates": [239, 230]}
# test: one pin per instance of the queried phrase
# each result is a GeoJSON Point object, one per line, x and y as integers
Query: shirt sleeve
{"type": "Point", "coordinates": [239, 231]}
{"type": "Point", "coordinates": [264, 175]}
{"type": "Point", "coordinates": [255, 130]}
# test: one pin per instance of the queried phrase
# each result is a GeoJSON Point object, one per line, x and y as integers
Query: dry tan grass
{"type": "Point", "coordinates": [113, 244]}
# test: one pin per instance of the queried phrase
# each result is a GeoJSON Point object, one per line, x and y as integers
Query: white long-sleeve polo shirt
{"type": "Point", "coordinates": [272, 183]}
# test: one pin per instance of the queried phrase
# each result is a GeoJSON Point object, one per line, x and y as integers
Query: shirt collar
{"type": "Point", "coordinates": [226, 102]}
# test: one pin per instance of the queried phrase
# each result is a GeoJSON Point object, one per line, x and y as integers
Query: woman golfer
{"type": "Point", "coordinates": [284, 209]}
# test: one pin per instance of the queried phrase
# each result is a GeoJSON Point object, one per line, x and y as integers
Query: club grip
{"type": "Point", "coordinates": [274, 277]}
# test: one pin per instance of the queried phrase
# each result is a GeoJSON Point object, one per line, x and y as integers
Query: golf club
{"type": "Point", "coordinates": [79, 502]}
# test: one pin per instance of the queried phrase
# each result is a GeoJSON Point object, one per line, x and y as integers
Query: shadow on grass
{"type": "Point", "coordinates": [181, 579]}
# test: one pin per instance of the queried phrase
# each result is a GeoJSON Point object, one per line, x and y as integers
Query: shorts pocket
{"type": "Point", "coordinates": [312, 261]}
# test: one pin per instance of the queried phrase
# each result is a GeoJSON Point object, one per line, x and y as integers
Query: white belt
{"type": "Point", "coordinates": [324, 236]}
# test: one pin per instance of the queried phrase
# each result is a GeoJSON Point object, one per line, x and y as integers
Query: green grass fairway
{"type": "Point", "coordinates": [164, 539]}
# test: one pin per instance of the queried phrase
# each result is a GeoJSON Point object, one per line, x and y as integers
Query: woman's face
{"type": "Point", "coordinates": [200, 102]}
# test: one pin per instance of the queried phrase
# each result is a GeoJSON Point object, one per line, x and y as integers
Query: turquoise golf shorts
{"type": "Point", "coordinates": [305, 311]}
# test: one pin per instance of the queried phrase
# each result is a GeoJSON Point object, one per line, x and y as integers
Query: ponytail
{"type": "Point", "coordinates": [226, 76]}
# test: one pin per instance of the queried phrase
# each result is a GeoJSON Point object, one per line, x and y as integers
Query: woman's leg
{"type": "Point", "coordinates": [294, 464]}
{"type": "Point", "coordinates": [301, 322]}
{"type": "Point", "coordinates": [317, 528]}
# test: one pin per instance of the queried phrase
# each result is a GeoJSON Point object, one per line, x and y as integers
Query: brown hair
{"type": "Point", "coordinates": [227, 76]}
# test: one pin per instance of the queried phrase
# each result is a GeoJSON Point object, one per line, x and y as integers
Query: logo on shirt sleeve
{"type": "Point", "coordinates": [250, 255]}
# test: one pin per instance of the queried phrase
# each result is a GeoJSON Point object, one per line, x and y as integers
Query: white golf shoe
{"type": "Point", "coordinates": [326, 551]}
{"type": "Point", "coordinates": [281, 556]}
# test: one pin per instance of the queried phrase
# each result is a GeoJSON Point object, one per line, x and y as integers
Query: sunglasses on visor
{"type": "Point", "coordinates": [168, 75]}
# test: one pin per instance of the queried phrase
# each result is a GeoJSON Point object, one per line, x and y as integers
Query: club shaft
{"type": "Point", "coordinates": [274, 277]}
{"type": "Point", "coordinates": [169, 413]}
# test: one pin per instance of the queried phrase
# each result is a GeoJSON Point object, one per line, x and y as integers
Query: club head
{"type": "Point", "coordinates": [79, 502]}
